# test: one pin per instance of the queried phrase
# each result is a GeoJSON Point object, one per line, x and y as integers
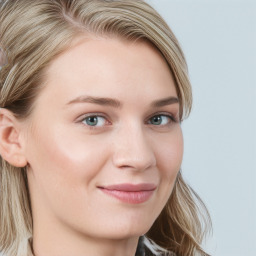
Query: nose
{"type": "Point", "coordinates": [132, 150]}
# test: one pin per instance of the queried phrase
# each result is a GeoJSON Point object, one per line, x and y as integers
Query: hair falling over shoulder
{"type": "Point", "coordinates": [32, 34]}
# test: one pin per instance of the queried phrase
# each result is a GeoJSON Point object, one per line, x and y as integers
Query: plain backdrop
{"type": "Point", "coordinates": [219, 41]}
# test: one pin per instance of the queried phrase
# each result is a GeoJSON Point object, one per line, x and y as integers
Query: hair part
{"type": "Point", "coordinates": [32, 35]}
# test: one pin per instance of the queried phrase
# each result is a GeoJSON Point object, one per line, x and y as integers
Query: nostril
{"type": "Point", "coordinates": [131, 162]}
{"type": "Point", "coordinates": [130, 155]}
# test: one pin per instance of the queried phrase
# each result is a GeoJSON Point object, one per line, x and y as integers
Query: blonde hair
{"type": "Point", "coordinates": [32, 34]}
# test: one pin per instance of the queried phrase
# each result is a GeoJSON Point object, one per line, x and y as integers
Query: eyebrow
{"type": "Point", "coordinates": [165, 102]}
{"type": "Point", "coordinates": [97, 100]}
{"type": "Point", "coordinates": [117, 104]}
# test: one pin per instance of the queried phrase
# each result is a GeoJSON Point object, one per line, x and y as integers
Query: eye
{"type": "Point", "coordinates": [94, 121]}
{"type": "Point", "coordinates": [160, 120]}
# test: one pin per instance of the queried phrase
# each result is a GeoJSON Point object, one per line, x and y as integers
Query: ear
{"type": "Point", "coordinates": [11, 148]}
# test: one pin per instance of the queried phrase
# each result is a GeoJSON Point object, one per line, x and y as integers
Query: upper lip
{"type": "Point", "coordinates": [131, 187]}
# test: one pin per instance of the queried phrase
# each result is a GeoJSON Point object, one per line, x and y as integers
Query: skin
{"type": "Point", "coordinates": [69, 159]}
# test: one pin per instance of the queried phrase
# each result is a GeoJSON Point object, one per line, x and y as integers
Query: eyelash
{"type": "Point", "coordinates": [98, 115]}
{"type": "Point", "coordinates": [171, 118]}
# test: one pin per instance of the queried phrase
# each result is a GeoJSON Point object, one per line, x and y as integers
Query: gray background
{"type": "Point", "coordinates": [219, 41]}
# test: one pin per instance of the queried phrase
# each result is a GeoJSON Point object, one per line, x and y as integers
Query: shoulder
{"type": "Point", "coordinates": [146, 247]}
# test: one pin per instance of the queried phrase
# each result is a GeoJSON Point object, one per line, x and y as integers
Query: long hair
{"type": "Point", "coordinates": [32, 34]}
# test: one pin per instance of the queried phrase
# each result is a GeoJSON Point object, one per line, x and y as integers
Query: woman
{"type": "Point", "coordinates": [92, 96]}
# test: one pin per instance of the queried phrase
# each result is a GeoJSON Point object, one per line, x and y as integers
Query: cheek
{"type": "Point", "coordinates": [169, 156]}
{"type": "Point", "coordinates": [64, 168]}
{"type": "Point", "coordinates": [61, 156]}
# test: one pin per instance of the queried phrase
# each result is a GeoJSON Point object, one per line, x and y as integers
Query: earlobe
{"type": "Point", "coordinates": [11, 148]}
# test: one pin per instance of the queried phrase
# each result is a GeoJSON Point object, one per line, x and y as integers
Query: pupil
{"type": "Point", "coordinates": [92, 121]}
{"type": "Point", "coordinates": [157, 120]}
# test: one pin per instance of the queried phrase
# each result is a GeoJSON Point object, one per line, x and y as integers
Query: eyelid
{"type": "Point", "coordinates": [96, 114]}
{"type": "Point", "coordinates": [174, 118]}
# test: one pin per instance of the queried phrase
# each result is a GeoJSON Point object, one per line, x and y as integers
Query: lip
{"type": "Point", "coordinates": [130, 193]}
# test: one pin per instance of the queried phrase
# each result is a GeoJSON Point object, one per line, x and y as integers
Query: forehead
{"type": "Point", "coordinates": [105, 66]}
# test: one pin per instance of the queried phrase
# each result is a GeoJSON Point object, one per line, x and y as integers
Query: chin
{"type": "Point", "coordinates": [129, 230]}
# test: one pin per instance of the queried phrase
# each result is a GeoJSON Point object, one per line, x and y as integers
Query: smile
{"type": "Point", "coordinates": [129, 193]}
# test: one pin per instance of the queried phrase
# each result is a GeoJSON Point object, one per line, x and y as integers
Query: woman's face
{"type": "Point", "coordinates": [104, 142]}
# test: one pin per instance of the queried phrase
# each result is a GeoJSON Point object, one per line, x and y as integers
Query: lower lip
{"type": "Point", "coordinates": [131, 197]}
